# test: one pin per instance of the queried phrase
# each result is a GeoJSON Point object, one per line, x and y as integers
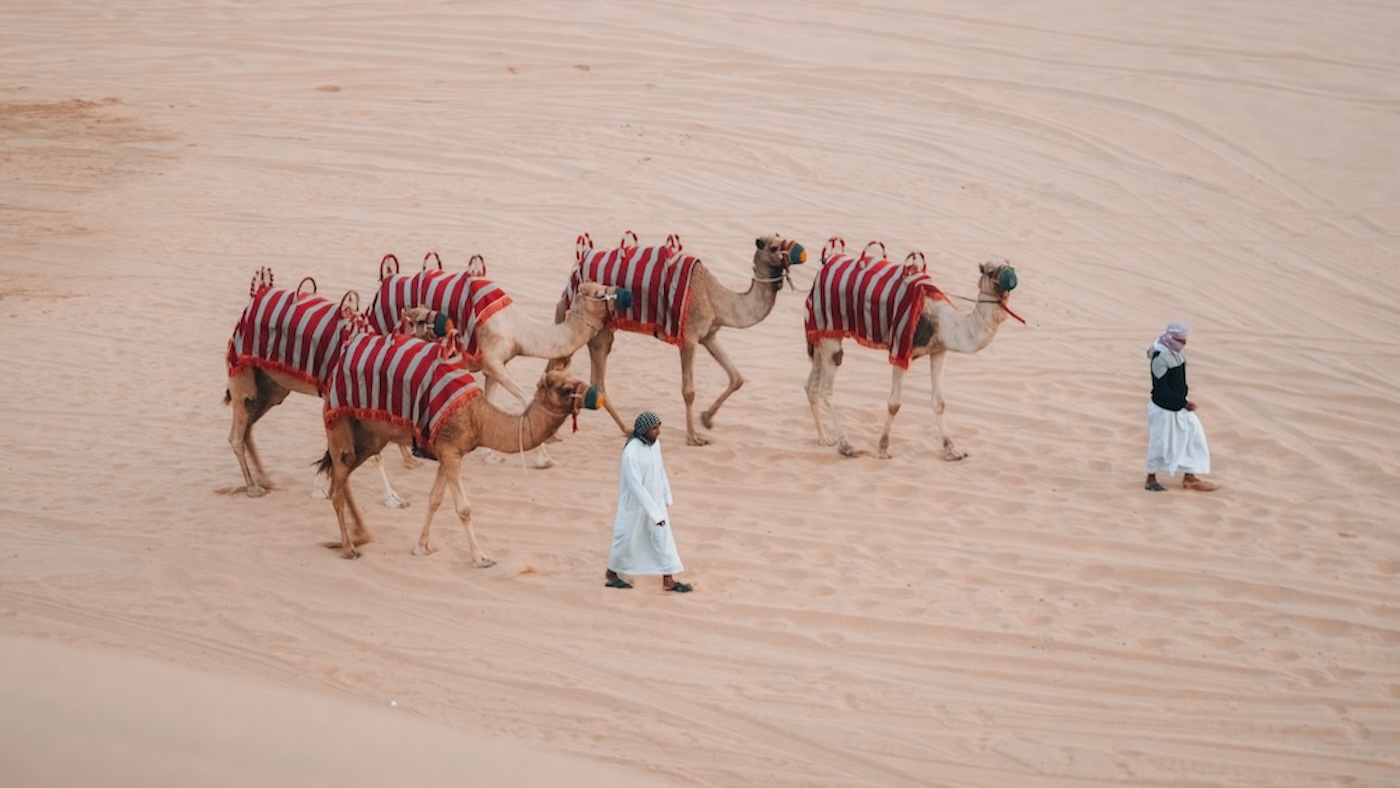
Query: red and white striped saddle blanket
{"type": "Point", "coordinates": [401, 380]}
{"type": "Point", "coordinates": [876, 302]}
{"type": "Point", "coordinates": [298, 334]}
{"type": "Point", "coordinates": [467, 299]}
{"type": "Point", "coordinates": [657, 276]}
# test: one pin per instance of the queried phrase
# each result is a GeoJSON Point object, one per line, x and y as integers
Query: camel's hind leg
{"type": "Point", "coordinates": [598, 349]}
{"type": "Point", "coordinates": [450, 475]}
{"type": "Point", "coordinates": [896, 395]}
{"type": "Point", "coordinates": [250, 395]}
{"type": "Point", "coordinates": [391, 498]}
{"type": "Point", "coordinates": [935, 361]}
{"type": "Point", "coordinates": [341, 459]}
{"type": "Point", "coordinates": [692, 437]}
{"type": "Point", "coordinates": [736, 381]}
{"type": "Point", "coordinates": [826, 358]}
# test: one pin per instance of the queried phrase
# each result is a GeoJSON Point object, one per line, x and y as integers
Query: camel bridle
{"type": "Point", "coordinates": [1000, 300]}
{"type": "Point", "coordinates": [785, 270]}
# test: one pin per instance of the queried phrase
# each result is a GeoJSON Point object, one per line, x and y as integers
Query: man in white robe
{"type": "Point", "coordinates": [1176, 441]}
{"type": "Point", "coordinates": [642, 542]}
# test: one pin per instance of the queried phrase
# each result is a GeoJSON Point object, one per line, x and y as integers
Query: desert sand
{"type": "Point", "coordinates": [1026, 616]}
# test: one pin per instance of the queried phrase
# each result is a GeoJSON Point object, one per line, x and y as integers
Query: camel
{"type": "Point", "coordinates": [936, 328]}
{"type": "Point", "coordinates": [689, 308]}
{"type": "Point", "coordinates": [288, 341]}
{"type": "Point", "coordinates": [430, 401]}
{"type": "Point", "coordinates": [494, 330]}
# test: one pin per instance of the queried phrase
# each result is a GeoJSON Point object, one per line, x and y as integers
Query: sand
{"type": "Point", "coordinates": [1026, 616]}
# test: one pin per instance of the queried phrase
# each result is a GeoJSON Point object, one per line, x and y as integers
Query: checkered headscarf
{"type": "Point", "coordinates": [646, 422]}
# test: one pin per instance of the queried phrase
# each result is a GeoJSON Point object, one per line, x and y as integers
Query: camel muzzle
{"type": "Point", "coordinates": [1006, 279]}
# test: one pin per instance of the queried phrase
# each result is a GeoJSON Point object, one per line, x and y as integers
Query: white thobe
{"type": "Point", "coordinates": [1176, 441]}
{"type": "Point", "coordinates": [639, 545]}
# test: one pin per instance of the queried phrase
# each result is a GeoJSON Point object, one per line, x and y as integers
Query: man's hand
{"type": "Point", "coordinates": [1190, 406]}
{"type": "Point", "coordinates": [660, 523]}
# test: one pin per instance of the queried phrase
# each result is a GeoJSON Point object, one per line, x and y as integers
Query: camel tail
{"type": "Point", "coordinates": [324, 465]}
{"type": "Point", "coordinates": [228, 397]}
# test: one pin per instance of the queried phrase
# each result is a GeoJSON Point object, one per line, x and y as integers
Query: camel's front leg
{"type": "Point", "coordinates": [424, 547]}
{"type": "Point", "coordinates": [896, 396]}
{"type": "Point", "coordinates": [736, 380]}
{"type": "Point", "coordinates": [598, 349]}
{"type": "Point", "coordinates": [452, 467]}
{"type": "Point", "coordinates": [935, 362]}
{"type": "Point", "coordinates": [692, 437]}
{"type": "Point", "coordinates": [496, 375]}
{"type": "Point", "coordinates": [814, 395]}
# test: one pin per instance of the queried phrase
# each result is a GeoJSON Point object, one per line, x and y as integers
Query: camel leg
{"type": "Point", "coordinates": [424, 547]}
{"type": "Point", "coordinates": [935, 362]}
{"type": "Point", "coordinates": [251, 395]}
{"type": "Point", "coordinates": [896, 395]}
{"type": "Point", "coordinates": [598, 349]}
{"type": "Point", "coordinates": [391, 498]}
{"type": "Point", "coordinates": [736, 381]}
{"type": "Point", "coordinates": [692, 437]}
{"type": "Point", "coordinates": [814, 378]}
{"type": "Point", "coordinates": [450, 475]}
{"type": "Point", "coordinates": [409, 461]}
{"type": "Point", "coordinates": [826, 359]}
{"type": "Point", "coordinates": [340, 445]}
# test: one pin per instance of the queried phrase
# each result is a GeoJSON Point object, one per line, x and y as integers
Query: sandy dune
{"type": "Point", "coordinates": [1028, 616]}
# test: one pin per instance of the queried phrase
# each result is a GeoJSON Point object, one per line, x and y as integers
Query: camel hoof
{"type": "Point", "coordinates": [412, 462]}
{"type": "Point", "coordinates": [883, 454]}
{"type": "Point", "coordinates": [423, 549]}
{"type": "Point", "coordinates": [484, 563]}
{"type": "Point", "coordinates": [826, 441]}
{"type": "Point", "coordinates": [708, 419]}
{"type": "Point", "coordinates": [349, 552]}
{"type": "Point", "coordinates": [696, 440]}
{"type": "Point", "coordinates": [395, 502]}
{"type": "Point", "coordinates": [954, 455]}
{"type": "Point", "coordinates": [541, 465]}
{"type": "Point", "coordinates": [255, 491]}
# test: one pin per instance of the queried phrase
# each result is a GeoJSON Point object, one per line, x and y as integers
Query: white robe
{"type": "Point", "coordinates": [639, 545]}
{"type": "Point", "coordinates": [1176, 441]}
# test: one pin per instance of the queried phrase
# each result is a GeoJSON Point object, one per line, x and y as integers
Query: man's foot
{"type": "Point", "coordinates": [617, 582]}
{"type": "Point", "coordinates": [1198, 484]}
{"type": "Point", "coordinates": [680, 588]}
{"type": "Point", "coordinates": [1153, 486]}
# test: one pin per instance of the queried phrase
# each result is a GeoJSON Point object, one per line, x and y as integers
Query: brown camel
{"type": "Point", "coordinates": [431, 402]}
{"type": "Point", "coordinates": [693, 306]}
{"type": "Point", "coordinates": [936, 328]}
{"type": "Point", "coordinates": [289, 341]}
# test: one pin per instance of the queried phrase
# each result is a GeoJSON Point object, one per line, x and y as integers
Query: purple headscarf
{"type": "Point", "coordinates": [1173, 338]}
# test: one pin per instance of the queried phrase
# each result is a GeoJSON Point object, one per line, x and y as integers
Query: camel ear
{"type": "Point", "coordinates": [758, 243]}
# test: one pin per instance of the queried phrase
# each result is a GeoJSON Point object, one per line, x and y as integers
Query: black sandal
{"type": "Point", "coordinates": [680, 588]}
{"type": "Point", "coordinates": [617, 582]}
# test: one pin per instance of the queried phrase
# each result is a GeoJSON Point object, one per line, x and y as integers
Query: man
{"type": "Point", "coordinates": [1176, 440]}
{"type": "Point", "coordinates": [642, 541]}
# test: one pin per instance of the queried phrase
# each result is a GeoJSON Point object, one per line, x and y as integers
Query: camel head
{"type": "Point", "coordinates": [774, 256]}
{"type": "Point", "coordinates": [424, 323]}
{"type": "Point", "coordinates": [998, 279]}
{"type": "Point", "coordinates": [564, 395]}
{"type": "Point", "coordinates": [601, 302]}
